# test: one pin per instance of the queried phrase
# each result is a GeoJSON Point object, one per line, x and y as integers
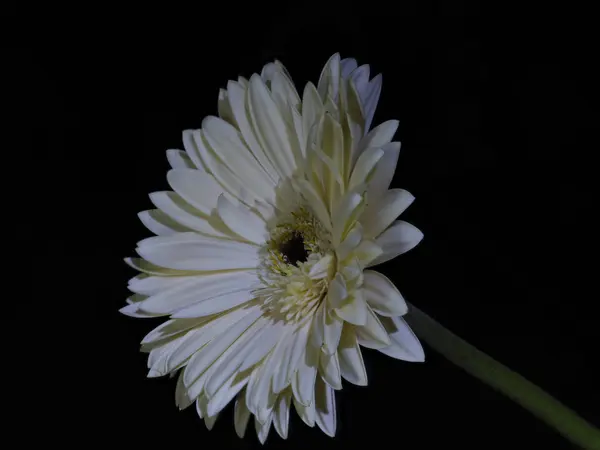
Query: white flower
{"type": "Point", "coordinates": [278, 207]}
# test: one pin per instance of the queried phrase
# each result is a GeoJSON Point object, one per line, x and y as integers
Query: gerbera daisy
{"type": "Point", "coordinates": [278, 207]}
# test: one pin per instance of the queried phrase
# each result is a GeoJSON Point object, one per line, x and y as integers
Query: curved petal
{"type": "Point", "coordinates": [405, 345]}
{"type": "Point", "coordinates": [396, 240]}
{"type": "Point", "coordinates": [382, 296]}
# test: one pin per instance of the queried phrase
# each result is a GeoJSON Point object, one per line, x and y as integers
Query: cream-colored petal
{"type": "Point", "coordinates": [190, 251]}
{"type": "Point", "coordinates": [219, 344]}
{"type": "Point", "coordinates": [152, 269]}
{"type": "Point", "coordinates": [232, 363]}
{"type": "Point", "coordinates": [384, 211]}
{"type": "Point", "coordinates": [262, 429]}
{"type": "Point", "coordinates": [238, 98]}
{"type": "Point", "coordinates": [241, 415]}
{"type": "Point", "coordinates": [396, 240]}
{"type": "Point", "coordinates": [199, 289]}
{"type": "Point", "coordinates": [384, 172]}
{"type": "Point", "coordinates": [145, 284]}
{"type": "Point", "coordinates": [224, 108]}
{"type": "Point", "coordinates": [242, 221]}
{"type": "Point", "coordinates": [161, 224]}
{"type": "Point", "coordinates": [226, 144]}
{"type": "Point", "coordinates": [332, 332]}
{"type": "Point", "coordinates": [281, 415]}
{"type": "Point", "coordinates": [304, 382]}
{"type": "Point", "coordinates": [347, 66]}
{"type": "Point", "coordinates": [197, 188]}
{"type": "Point", "coordinates": [346, 213]}
{"type": "Point", "coordinates": [182, 400]}
{"type": "Point", "coordinates": [306, 412]}
{"type": "Point", "coordinates": [372, 334]}
{"type": "Point", "coordinates": [173, 327]}
{"type": "Point", "coordinates": [352, 366]}
{"type": "Point", "coordinates": [227, 392]}
{"type": "Point", "coordinates": [380, 135]}
{"type": "Point", "coordinates": [382, 296]}
{"type": "Point", "coordinates": [270, 127]}
{"type": "Point", "coordinates": [329, 368]}
{"type": "Point", "coordinates": [325, 413]}
{"type": "Point", "coordinates": [365, 166]}
{"type": "Point", "coordinates": [264, 343]}
{"type": "Point", "coordinates": [405, 345]}
{"type": "Point", "coordinates": [338, 292]}
{"type": "Point", "coordinates": [179, 159]}
{"type": "Point", "coordinates": [354, 311]}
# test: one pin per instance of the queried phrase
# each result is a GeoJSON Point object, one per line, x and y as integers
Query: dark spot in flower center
{"type": "Point", "coordinates": [293, 250]}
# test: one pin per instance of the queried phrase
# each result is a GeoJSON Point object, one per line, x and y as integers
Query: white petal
{"type": "Point", "coordinates": [329, 367]}
{"type": "Point", "coordinates": [337, 293]}
{"type": "Point", "coordinates": [350, 242]}
{"type": "Point", "coordinates": [242, 221]}
{"type": "Point", "coordinates": [262, 430]}
{"type": "Point", "coordinates": [372, 334]}
{"type": "Point", "coordinates": [365, 166]}
{"type": "Point", "coordinates": [304, 383]}
{"type": "Point", "coordinates": [291, 358]}
{"type": "Point", "coordinates": [405, 345]}
{"type": "Point", "coordinates": [345, 214]}
{"type": "Point", "coordinates": [270, 127]}
{"type": "Point", "coordinates": [325, 408]}
{"type": "Point", "coordinates": [396, 240]}
{"type": "Point", "coordinates": [352, 366]}
{"type": "Point", "coordinates": [241, 415]}
{"type": "Point", "coordinates": [355, 310]}
{"type": "Point", "coordinates": [385, 211]}
{"type": "Point", "coordinates": [151, 269]}
{"type": "Point", "coordinates": [306, 412]}
{"type": "Point", "coordinates": [182, 400]}
{"type": "Point", "coordinates": [382, 296]}
{"type": "Point", "coordinates": [173, 205]}
{"type": "Point", "coordinates": [265, 342]}
{"type": "Point", "coordinates": [189, 251]}
{"type": "Point", "coordinates": [384, 172]}
{"type": "Point", "coordinates": [172, 328]}
{"type": "Point", "coordinates": [316, 334]}
{"type": "Point", "coordinates": [197, 188]}
{"type": "Point", "coordinates": [178, 159]}
{"type": "Point", "coordinates": [149, 285]}
{"type": "Point", "coordinates": [282, 414]}
{"type": "Point", "coordinates": [220, 141]}
{"type": "Point", "coordinates": [231, 364]}
{"type": "Point", "coordinates": [237, 93]}
{"type": "Point", "coordinates": [370, 98]}
{"type": "Point", "coordinates": [380, 135]}
{"type": "Point", "coordinates": [330, 78]}
{"type": "Point", "coordinates": [229, 334]}
{"type": "Point", "coordinates": [161, 224]}
{"type": "Point", "coordinates": [332, 332]}
{"type": "Point", "coordinates": [227, 392]}
{"type": "Point", "coordinates": [312, 108]}
{"type": "Point", "coordinates": [224, 108]}
{"type": "Point", "coordinates": [198, 289]}
{"type": "Point", "coordinates": [133, 310]}
{"type": "Point", "coordinates": [348, 65]}
{"type": "Point", "coordinates": [191, 149]}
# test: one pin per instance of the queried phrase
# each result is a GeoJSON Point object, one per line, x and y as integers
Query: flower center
{"type": "Point", "coordinates": [296, 267]}
{"type": "Point", "coordinates": [294, 250]}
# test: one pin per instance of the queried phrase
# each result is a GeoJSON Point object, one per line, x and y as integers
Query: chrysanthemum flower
{"type": "Point", "coordinates": [278, 207]}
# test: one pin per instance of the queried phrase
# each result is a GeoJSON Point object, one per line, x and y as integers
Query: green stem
{"type": "Point", "coordinates": [522, 391]}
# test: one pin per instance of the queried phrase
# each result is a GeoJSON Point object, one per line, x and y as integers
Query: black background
{"type": "Point", "coordinates": [490, 102]}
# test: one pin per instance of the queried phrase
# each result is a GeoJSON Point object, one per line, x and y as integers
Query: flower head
{"type": "Point", "coordinates": [278, 208]}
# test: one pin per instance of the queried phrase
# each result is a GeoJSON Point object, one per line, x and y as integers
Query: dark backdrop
{"type": "Point", "coordinates": [489, 104]}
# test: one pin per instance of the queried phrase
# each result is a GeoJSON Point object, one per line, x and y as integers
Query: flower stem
{"type": "Point", "coordinates": [522, 391]}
